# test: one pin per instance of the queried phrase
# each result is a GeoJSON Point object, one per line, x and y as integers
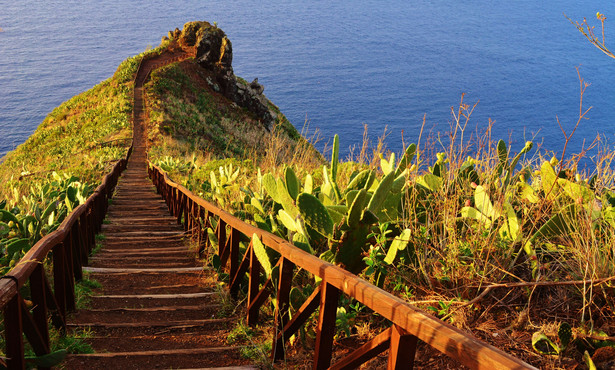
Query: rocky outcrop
{"type": "Point", "coordinates": [214, 52]}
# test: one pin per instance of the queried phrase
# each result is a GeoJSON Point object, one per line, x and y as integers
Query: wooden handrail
{"type": "Point", "coordinates": [72, 240]}
{"type": "Point", "coordinates": [408, 320]}
{"type": "Point", "coordinates": [71, 244]}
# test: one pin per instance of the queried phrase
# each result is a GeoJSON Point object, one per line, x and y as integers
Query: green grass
{"type": "Point", "coordinates": [254, 344]}
{"type": "Point", "coordinates": [189, 118]}
{"type": "Point", "coordinates": [84, 289]}
{"type": "Point", "coordinates": [73, 342]}
{"type": "Point", "coordinates": [79, 137]}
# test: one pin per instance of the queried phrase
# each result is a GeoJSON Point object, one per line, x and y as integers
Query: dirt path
{"type": "Point", "coordinates": [157, 306]}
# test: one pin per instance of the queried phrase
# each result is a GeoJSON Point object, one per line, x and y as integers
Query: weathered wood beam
{"type": "Point", "coordinates": [366, 352]}
{"type": "Point", "coordinates": [403, 349]}
{"type": "Point", "coordinates": [325, 331]}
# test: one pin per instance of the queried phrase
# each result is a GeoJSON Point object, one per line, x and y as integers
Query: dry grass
{"type": "Point", "coordinates": [452, 260]}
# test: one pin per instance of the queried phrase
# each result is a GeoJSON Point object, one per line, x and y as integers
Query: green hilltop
{"type": "Point", "coordinates": [189, 117]}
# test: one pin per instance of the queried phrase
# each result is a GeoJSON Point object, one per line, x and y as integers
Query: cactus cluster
{"type": "Point", "coordinates": [330, 221]}
{"type": "Point", "coordinates": [39, 213]}
{"type": "Point", "coordinates": [343, 221]}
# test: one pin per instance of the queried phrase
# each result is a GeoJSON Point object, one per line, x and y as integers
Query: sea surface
{"type": "Point", "coordinates": [338, 65]}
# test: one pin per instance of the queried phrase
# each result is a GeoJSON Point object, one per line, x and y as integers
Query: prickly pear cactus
{"type": "Point", "coordinates": [350, 249]}
{"type": "Point", "coordinates": [406, 159]}
{"type": "Point", "coordinates": [565, 334]}
{"type": "Point", "coordinates": [292, 182]}
{"type": "Point", "coordinates": [335, 158]}
{"type": "Point", "coordinates": [315, 214]}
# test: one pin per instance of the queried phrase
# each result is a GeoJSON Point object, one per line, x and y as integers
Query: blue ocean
{"type": "Point", "coordinates": [338, 65]}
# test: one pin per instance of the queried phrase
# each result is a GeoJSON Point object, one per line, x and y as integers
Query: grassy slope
{"type": "Point", "coordinates": [192, 124]}
{"type": "Point", "coordinates": [80, 137]}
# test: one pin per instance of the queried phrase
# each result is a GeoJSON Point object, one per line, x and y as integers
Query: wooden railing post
{"type": "Point", "coordinates": [170, 193]}
{"type": "Point", "coordinates": [172, 201]}
{"type": "Point", "coordinates": [83, 231]}
{"type": "Point", "coordinates": [90, 229]}
{"type": "Point", "coordinates": [282, 307]}
{"type": "Point", "coordinates": [253, 288]}
{"type": "Point", "coordinates": [87, 234]}
{"type": "Point", "coordinates": [39, 311]}
{"type": "Point", "coordinates": [402, 349]}
{"type": "Point", "coordinates": [69, 275]}
{"type": "Point", "coordinates": [202, 216]}
{"type": "Point", "coordinates": [99, 209]}
{"type": "Point", "coordinates": [59, 278]}
{"type": "Point", "coordinates": [194, 218]}
{"type": "Point", "coordinates": [167, 195]}
{"type": "Point", "coordinates": [76, 252]}
{"type": "Point", "coordinates": [325, 331]}
{"type": "Point", "coordinates": [186, 212]}
{"type": "Point", "coordinates": [234, 252]}
{"type": "Point", "coordinates": [190, 218]}
{"type": "Point", "coordinates": [13, 332]}
{"type": "Point", "coordinates": [77, 239]}
{"type": "Point", "coordinates": [221, 231]}
{"type": "Point", "coordinates": [178, 205]}
{"type": "Point", "coordinates": [196, 222]}
{"type": "Point", "coordinates": [166, 190]}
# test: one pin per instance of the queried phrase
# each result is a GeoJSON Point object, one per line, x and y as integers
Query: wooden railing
{"type": "Point", "coordinates": [71, 244]}
{"type": "Point", "coordinates": [409, 324]}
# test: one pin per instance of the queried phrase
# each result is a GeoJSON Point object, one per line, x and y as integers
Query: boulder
{"type": "Point", "coordinates": [258, 88]}
{"type": "Point", "coordinates": [189, 34]}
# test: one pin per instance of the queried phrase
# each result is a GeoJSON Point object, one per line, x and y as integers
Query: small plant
{"type": "Point", "coordinates": [84, 289]}
{"type": "Point", "coordinates": [228, 306]}
{"type": "Point", "coordinates": [442, 309]}
{"type": "Point", "coordinates": [240, 334]}
{"type": "Point", "coordinates": [588, 32]}
{"type": "Point", "coordinates": [74, 342]}
{"type": "Point", "coordinates": [253, 345]}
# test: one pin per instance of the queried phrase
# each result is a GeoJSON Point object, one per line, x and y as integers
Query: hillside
{"type": "Point", "coordinates": [65, 159]}
{"type": "Point", "coordinates": [201, 115]}
{"type": "Point", "coordinates": [188, 114]}
{"type": "Point", "coordinates": [61, 163]}
{"type": "Point", "coordinates": [511, 245]}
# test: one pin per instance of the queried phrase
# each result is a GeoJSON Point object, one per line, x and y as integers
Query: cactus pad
{"type": "Point", "coordinates": [315, 214]}
{"type": "Point", "coordinates": [564, 333]}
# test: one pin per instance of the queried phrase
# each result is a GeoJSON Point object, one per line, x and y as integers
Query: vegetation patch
{"type": "Point", "coordinates": [505, 244]}
{"type": "Point", "coordinates": [191, 122]}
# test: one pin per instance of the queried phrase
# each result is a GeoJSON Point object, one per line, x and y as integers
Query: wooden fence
{"type": "Point", "coordinates": [71, 244]}
{"type": "Point", "coordinates": [409, 324]}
